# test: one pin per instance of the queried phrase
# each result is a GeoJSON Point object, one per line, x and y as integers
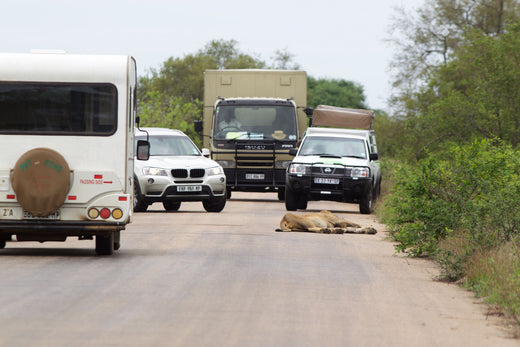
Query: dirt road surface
{"type": "Point", "coordinates": [191, 278]}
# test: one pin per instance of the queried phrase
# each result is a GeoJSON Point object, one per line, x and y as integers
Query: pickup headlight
{"type": "Point", "coordinates": [217, 170]}
{"type": "Point", "coordinates": [299, 169]}
{"type": "Point", "coordinates": [154, 171]}
{"type": "Point", "coordinates": [360, 172]}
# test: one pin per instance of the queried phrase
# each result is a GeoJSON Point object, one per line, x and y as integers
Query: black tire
{"type": "Point", "coordinates": [367, 202]}
{"type": "Point", "coordinates": [105, 244]}
{"type": "Point", "coordinates": [281, 194]}
{"type": "Point", "coordinates": [2, 244]}
{"type": "Point", "coordinates": [170, 205]}
{"type": "Point", "coordinates": [117, 240]}
{"type": "Point", "coordinates": [302, 203]}
{"type": "Point", "coordinates": [228, 194]}
{"type": "Point", "coordinates": [215, 205]}
{"type": "Point", "coordinates": [291, 200]}
{"type": "Point", "coordinates": [140, 205]}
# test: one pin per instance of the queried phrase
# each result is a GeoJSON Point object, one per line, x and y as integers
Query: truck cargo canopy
{"type": "Point", "coordinates": [340, 117]}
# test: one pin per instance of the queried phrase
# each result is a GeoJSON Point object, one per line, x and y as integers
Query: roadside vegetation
{"type": "Point", "coordinates": [451, 146]}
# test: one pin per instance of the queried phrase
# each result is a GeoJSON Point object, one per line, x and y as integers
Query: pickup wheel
{"type": "Point", "coordinates": [105, 244]}
{"type": "Point", "coordinates": [215, 205]}
{"type": "Point", "coordinates": [170, 205]}
{"type": "Point", "coordinates": [291, 199]}
{"type": "Point", "coordinates": [140, 205]}
{"type": "Point", "coordinates": [366, 203]}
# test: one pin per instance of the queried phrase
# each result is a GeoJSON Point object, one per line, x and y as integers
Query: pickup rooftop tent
{"type": "Point", "coordinates": [340, 117]}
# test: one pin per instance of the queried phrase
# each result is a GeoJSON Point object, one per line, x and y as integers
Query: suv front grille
{"type": "Point", "coordinates": [180, 173]}
{"type": "Point", "coordinates": [197, 173]}
{"type": "Point", "coordinates": [183, 173]}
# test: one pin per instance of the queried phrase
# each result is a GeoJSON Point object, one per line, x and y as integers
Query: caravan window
{"type": "Point", "coordinates": [58, 108]}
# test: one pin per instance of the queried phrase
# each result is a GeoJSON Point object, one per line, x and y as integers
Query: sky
{"type": "Point", "coordinates": [333, 39]}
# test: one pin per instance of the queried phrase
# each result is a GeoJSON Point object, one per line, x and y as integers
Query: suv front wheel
{"type": "Point", "coordinates": [140, 205]}
{"type": "Point", "coordinates": [366, 203]}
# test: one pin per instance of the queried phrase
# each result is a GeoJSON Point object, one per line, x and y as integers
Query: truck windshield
{"type": "Point", "coordinates": [255, 122]}
{"type": "Point", "coordinates": [58, 108]}
{"type": "Point", "coordinates": [333, 146]}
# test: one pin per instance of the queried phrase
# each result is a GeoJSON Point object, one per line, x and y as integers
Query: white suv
{"type": "Point", "coordinates": [334, 164]}
{"type": "Point", "coordinates": [176, 171]}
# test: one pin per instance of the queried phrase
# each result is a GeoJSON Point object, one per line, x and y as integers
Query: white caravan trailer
{"type": "Point", "coordinates": [67, 147]}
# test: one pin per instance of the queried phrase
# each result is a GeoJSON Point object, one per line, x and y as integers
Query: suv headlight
{"type": "Point", "coordinates": [360, 172]}
{"type": "Point", "coordinates": [217, 170]}
{"type": "Point", "coordinates": [299, 169]}
{"type": "Point", "coordinates": [154, 171]}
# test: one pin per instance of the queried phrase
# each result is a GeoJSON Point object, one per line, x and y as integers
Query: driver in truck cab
{"type": "Point", "coordinates": [227, 121]}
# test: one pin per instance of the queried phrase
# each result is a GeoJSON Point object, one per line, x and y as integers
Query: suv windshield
{"type": "Point", "coordinates": [170, 145]}
{"type": "Point", "coordinates": [255, 122]}
{"type": "Point", "coordinates": [333, 146]}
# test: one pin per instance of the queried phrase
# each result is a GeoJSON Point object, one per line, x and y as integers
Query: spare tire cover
{"type": "Point", "coordinates": [41, 181]}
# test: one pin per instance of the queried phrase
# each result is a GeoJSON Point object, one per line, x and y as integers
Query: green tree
{"type": "Point", "coordinates": [335, 92]}
{"type": "Point", "coordinates": [159, 110]}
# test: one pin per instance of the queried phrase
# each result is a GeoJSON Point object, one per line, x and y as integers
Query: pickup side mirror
{"type": "Point", "coordinates": [293, 151]}
{"type": "Point", "coordinates": [374, 156]}
{"type": "Point", "coordinates": [143, 150]}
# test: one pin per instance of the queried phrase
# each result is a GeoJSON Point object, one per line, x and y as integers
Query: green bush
{"type": "Point", "coordinates": [475, 188]}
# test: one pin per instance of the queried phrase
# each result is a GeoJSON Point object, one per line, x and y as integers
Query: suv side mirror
{"type": "Point", "coordinates": [374, 156]}
{"type": "Point", "coordinates": [143, 150]}
{"type": "Point", "coordinates": [205, 152]}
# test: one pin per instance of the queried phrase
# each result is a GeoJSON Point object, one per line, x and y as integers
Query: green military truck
{"type": "Point", "coordinates": [252, 117]}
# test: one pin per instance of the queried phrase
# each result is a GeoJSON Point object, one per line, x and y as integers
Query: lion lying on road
{"type": "Point", "coordinates": [322, 222]}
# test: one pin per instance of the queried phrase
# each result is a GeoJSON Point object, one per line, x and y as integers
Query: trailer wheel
{"type": "Point", "coordinates": [105, 244]}
{"type": "Point", "coordinates": [41, 181]}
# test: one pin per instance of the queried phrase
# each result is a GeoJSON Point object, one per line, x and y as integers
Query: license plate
{"type": "Point", "coordinates": [255, 176]}
{"type": "Point", "coordinates": [189, 188]}
{"type": "Point", "coordinates": [321, 180]}
{"type": "Point", "coordinates": [53, 216]}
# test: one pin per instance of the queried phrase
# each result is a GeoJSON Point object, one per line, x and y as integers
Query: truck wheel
{"type": "Point", "coordinates": [105, 244]}
{"type": "Point", "coordinates": [140, 205]}
{"type": "Point", "coordinates": [170, 205]}
{"type": "Point", "coordinates": [41, 181]}
{"type": "Point", "coordinates": [365, 205]}
{"type": "Point", "coordinates": [281, 194]}
{"type": "Point", "coordinates": [291, 200]}
{"type": "Point", "coordinates": [215, 205]}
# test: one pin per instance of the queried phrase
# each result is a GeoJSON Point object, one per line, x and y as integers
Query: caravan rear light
{"type": "Point", "coordinates": [93, 213]}
{"type": "Point", "coordinates": [117, 213]}
{"type": "Point", "coordinates": [104, 213]}
{"type": "Point", "coordinates": [10, 196]}
{"type": "Point", "coordinates": [123, 198]}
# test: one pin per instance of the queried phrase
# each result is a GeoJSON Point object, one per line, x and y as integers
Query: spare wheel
{"type": "Point", "coordinates": [41, 181]}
